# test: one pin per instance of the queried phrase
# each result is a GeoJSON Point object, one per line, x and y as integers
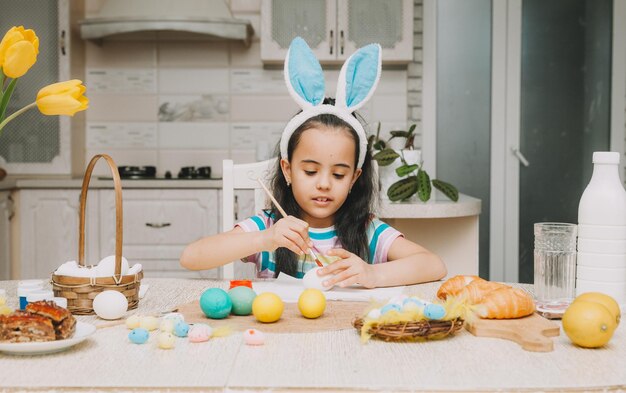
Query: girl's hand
{"type": "Point", "coordinates": [289, 232]}
{"type": "Point", "coordinates": [349, 270]}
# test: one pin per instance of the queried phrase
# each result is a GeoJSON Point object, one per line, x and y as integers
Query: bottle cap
{"type": "Point", "coordinates": [605, 157]}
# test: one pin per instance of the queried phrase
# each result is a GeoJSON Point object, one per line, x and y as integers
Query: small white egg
{"type": "Point", "coordinates": [133, 321]}
{"type": "Point", "coordinates": [312, 280]}
{"type": "Point", "coordinates": [110, 305]}
{"type": "Point", "coordinates": [175, 316]}
{"type": "Point", "coordinates": [167, 325]}
{"type": "Point", "coordinates": [374, 313]}
{"type": "Point", "coordinates": [106, 267]}
{"type": "Point", "coordinates": [398, 299]}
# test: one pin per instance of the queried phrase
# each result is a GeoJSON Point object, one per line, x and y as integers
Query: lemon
{"type": "Point", "coordinates": [267, 307]}
{"type": "Point", "coordinates": [312, 303]}
{"type": "Point", "coordinates": [606, 300]}
{"type": "Point", "coordinates": [588, 324]}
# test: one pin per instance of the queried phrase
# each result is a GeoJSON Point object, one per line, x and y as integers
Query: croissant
{"type": "Point", "coordinates": [507, 302]}
{"type": "Point", "coordinates": [455, 285]}
{"type": "Point", "coordinates": [477, 289]}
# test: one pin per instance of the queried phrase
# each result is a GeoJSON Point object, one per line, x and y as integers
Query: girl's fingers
{"type": "Point", "coordinates": [297, 240]}
{"type": "Point", "coordinates": [344, 275]}
{"type": "Point", "coordinates": [339, 252]}
{"type": "Point", "coordinates": [335, 267]}
{"type": "Point", "coordinates": [350, 281]}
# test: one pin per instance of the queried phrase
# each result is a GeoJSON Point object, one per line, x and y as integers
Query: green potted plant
{"type": "Point", "coordinates": [412, 178]}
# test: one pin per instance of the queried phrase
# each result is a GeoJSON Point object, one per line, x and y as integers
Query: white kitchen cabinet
{"type": "Point", "coordinates": [334, 29]}
{"type": "Point", "coordinates": [48, 230]}
{"type": "Point", "coordinates": [158, 224]}
{"type": "Point", "coordinates": [34, 143]}
{"type": "Point", "coordinates": [6, 211]}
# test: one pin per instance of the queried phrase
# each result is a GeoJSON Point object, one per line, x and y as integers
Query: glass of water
{"type": "Point", "coordinates": [555, 265]}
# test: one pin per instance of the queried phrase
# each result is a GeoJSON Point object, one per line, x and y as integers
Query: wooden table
{"type": "Point", "coordinates": [327, 361]}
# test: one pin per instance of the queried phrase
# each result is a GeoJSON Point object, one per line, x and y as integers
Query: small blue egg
{"type": "Point", "coordinates": [434, 311]}
{"type": "Point", "coordinates": [388, 307]}
{"type": "Point", "coordinates": [413, 300]}
{"type": "Point", "coordinates": [138, 335]}
{"type": "Point", "coordinates": [215, 303]}
{"type": "Point", "coordinates": [181, 329]}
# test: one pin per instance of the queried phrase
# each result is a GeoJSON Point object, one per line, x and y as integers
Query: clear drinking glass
{"type": "Point", "coordinates": [555, 265]}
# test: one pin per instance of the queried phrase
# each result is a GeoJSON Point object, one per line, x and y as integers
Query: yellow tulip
{"type": "Point", "coordinates": [18, 51]}
{"type": "Point", "coordinates": [63, 98]}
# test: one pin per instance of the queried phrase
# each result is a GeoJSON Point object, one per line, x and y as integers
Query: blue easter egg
{"type": "Point", "coordinates": [138, 335]}
{"type": "Point", "coordinates": [242, 298]}
{"type": "Point", "coordinates": [215, 303]}
{"type": "Point", "coordinates": [434, 311]}
{"type": "Point", "coordinates": [181, 329]}
{"type": "Point", "coordinates": [388, 307]}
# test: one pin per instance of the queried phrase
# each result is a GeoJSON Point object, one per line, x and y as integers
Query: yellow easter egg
{"type": "Point", "coordinates": [267, 307]}
{"type": "Point", "coordinates": [312, 303]}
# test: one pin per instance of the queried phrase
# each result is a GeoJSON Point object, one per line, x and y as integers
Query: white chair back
{"type": "Point", "coordinates": [242, 177]}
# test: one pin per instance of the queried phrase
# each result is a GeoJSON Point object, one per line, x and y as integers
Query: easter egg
{"type": "Point", "coordinates": [110, 305]}
{"type": "Point", "coordinates": [374, 313]}
{"type": "Point", "coordinates": [267, 307]}
{"type": "Point", "coordinates": [312, 303]}
{"type": "Point", "coordinates": [242, 298]}
{"type": "Point", "coordinates": [181, 329]}
{"type": "Point", "coordinates": [133, 321]}
{"type": "Point", "coordinates": [175, 316]}
{"type": "Point", "coordinates": [215, 303]}
{"type": "Point", "coordinates": [434, 311]}
{"type": "Point", "coordinates": [200, 332]}
{"type": "Point", "coordinates": [166, 340]}
{"type": "Point", "coordinates": [312, 280]}
{"type": "Point", "coordinates": [138, 335]}
{"type": "Point", "coordinates": [253, 337]}
{"type": "Point", "coordinates": [149, 323]}
{"type": "Point", "coordinates": [167, 325]}
{"type": "Point", "coordinates": [388, 307]}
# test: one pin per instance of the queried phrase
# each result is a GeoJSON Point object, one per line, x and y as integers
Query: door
{"type": "Point", "coordinates": [524, 91]}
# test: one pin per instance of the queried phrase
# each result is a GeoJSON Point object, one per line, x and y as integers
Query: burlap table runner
{"type": "Point", "coordinates": [337, 316]}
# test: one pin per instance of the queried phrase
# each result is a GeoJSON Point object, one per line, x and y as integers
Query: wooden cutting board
{"type": "Point", "coordinates": [532, 332]}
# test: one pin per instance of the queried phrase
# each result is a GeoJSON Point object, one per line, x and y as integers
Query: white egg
{"type": "Point", "coordinates": [312, 280]}
{"type": "Point", "coordinates": [110, 305]}
{"type": "Point", "coordinates": [106, 267]}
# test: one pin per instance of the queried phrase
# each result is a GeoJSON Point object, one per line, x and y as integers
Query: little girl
{"type": "Point", "coordinates": [325, 184]}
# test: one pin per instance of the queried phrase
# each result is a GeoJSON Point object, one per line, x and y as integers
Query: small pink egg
{"type": "Point", "coordinates": [199, 333]}
{"type": "Point", "coordinates": [253, 337]}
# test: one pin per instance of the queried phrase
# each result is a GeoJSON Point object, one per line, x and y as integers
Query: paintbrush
{"type": "Point", "coordinates": [282, 211]}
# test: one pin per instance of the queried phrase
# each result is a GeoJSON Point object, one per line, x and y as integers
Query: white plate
{"type": "Point", "coordinates": [83, 330]}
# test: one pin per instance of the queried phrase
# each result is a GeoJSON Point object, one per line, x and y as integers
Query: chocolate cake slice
{"type": "Point", "coordinates": [20, 327]}
{"type": "Point", "coordinates": [63, 321]}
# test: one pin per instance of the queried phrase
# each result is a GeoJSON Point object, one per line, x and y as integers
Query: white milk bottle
{"type": "Point", "coordinates": [601, 259]}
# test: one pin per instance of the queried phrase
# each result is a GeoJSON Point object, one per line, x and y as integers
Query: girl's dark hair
{"type": "Point", "coordinates": [353, 216]}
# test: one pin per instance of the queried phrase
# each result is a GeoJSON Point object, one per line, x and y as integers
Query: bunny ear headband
{"type": "Point", "coordinates": [305, 81]}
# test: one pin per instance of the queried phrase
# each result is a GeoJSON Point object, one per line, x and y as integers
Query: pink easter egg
{"type": "Point", "coordinates": [253, 337]}
{"type": "Point", "coordinates": [199, 333]}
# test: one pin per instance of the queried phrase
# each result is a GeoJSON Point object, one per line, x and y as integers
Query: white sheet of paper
{"type": "Point", "coordinates": [289, 289]}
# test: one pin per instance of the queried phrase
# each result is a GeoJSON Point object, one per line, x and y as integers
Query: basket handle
{"type": "Point", "coordinates": [118, 212]}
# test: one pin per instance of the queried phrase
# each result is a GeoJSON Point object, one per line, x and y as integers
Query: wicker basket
{"type": "Point", "coordinates": [412, 330]}
{"type": "Point", "coordinates": [80, 291]}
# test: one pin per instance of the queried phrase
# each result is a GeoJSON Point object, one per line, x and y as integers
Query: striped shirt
{"type": "Point", "coordinates": [379, 234]}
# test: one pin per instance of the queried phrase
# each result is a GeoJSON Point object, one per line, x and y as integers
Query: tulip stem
{"type": "Point", "coordinates": [16, 114]}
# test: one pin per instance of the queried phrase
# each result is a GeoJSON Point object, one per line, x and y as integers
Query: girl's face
{"type": "Point", "coordinates": [321, 173]}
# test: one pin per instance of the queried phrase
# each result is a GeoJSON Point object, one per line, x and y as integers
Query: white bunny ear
{"type": "Point", "coordinates": [303, 75]}
{"type": "Point", "coordinates": [359, 77]}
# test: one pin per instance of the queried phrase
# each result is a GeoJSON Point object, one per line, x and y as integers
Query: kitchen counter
{"type": "Point", "coordinates": [308, 362]}
{"type": "Point", "coordinates": [70, 183]}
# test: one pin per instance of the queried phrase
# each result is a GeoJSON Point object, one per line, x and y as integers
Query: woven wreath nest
{"type": "Point", "coordinates": [412, 330]}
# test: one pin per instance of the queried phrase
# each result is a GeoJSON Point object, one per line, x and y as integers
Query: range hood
{"type": "Point", "coordinates": [165, 20]}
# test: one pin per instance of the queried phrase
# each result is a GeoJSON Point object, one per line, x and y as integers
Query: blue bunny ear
{"type": "Point", "coordinates": [359, 77]}
{"type": "Point", "coordinates": [304, 75]}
